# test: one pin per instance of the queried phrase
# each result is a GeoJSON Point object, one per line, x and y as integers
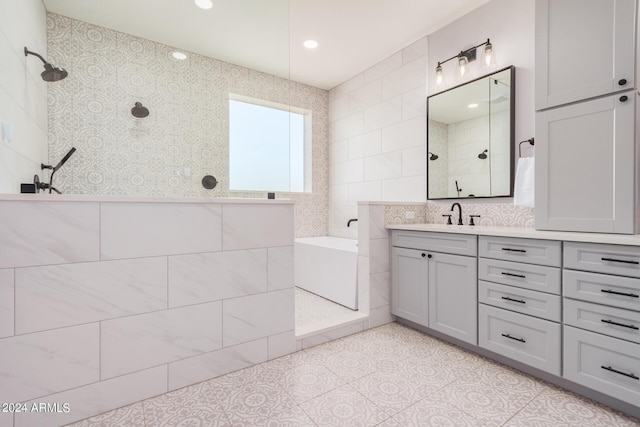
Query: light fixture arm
{"type": "Point", "coordinates": [470, 53]}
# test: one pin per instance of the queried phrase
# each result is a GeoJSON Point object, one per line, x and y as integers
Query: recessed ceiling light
{"type": "Point", "coordinates": [310, 44]}
{"type": "Point", "coordinates": [204, 4]}
{"type": "Point", "coordinates": [179, 55]}
{"type": "Point", "coordinates": [472, 106]}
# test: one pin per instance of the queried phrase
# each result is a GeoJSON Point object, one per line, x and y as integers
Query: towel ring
{"type": "Point", "coordinates": [530, 141]}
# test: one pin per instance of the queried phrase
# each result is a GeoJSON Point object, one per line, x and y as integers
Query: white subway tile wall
{"type": "Point", "coordinates": [182, 292]}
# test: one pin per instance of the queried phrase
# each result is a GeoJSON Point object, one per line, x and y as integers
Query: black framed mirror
{"type": "Point", "coordinates": [470, 138]}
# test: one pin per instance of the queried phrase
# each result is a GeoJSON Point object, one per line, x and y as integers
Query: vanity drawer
{"type": "Point", "coordinates": [623, 292]}
{"type": "Point", "coordinates": [529, 276]}
{"type": "Point", "coordinates": [612, 321]}
{"type": "Point", "coordinates": [451, 243]}
{"type": "Point", "coordinates": [526, 339]}
{"type": "Point", "coordinates": [533, 251]}
{"type": "Point", "coordinates": [610, 259]}
{"type": "Point", "coordinates": [538, 304]}
{"type": "Point", "coordinates": [609, 365]}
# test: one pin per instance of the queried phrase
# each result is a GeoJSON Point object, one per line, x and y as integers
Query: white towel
{"type": "Point", "coordinates": [524, 189]}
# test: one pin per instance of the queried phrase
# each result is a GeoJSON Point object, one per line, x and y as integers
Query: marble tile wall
{"type": "Point", "coordinates": [186, 135]}
{"type": "Point", "coordinates": [113, 313]}
{"type": "Point", "coordinates": [23, 94]}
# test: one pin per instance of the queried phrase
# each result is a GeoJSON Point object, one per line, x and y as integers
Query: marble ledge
{"type": "Point", "coordinates": [524, 232]}
{"type": "Point", "coordinates": [381, 203]}
{"type": "Point", "coordinates": [131, 199]}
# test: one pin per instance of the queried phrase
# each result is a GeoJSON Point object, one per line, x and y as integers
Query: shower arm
{"type": "Point", "coordinates": [28, 52]}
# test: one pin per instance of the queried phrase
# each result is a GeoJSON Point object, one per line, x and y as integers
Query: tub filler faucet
{"type": "Point", "coordinates": [350, 221]}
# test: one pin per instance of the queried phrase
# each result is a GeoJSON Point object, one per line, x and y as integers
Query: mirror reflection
{"type": "Point", "coordinates": [470, 138]}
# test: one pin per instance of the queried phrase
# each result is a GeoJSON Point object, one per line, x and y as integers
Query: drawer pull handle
{"type": "Point", "coordinates": [611, 322]}
{"type": "Point", "coordinates": [513, 338]}
{"type": "Point", "coordinates": [609, 368]}
{"type": "Point", "coordinates": [514, 250]}
{"type": "Point", "coordinates": [522, 276]}
{"type": "Point", "coordinates": [607, 291]}
{"type": "Point", "coordinates": [514, 300]}
{"type": "Point", "coordinates": [625, 261]}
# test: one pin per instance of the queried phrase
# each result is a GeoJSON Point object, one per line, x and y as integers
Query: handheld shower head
{"type": "Point", "coordinates": [50, 73]}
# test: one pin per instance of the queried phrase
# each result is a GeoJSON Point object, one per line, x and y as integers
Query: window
{"type": "Point", "coordinates": [269, 146]}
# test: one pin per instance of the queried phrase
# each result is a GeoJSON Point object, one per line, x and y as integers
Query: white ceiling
{"type": "Point", "coordinates": [267, 35]}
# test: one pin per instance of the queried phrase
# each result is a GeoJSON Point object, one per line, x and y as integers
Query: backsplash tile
{"type": "Point", "coordinates": [186, 135]}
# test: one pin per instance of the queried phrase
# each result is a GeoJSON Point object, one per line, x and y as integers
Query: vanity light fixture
{"type": "Point", "coordinates": [204, 4]}
{"type": "Point", "coordinates": [180, 56]}
{"type": "Point", "coordinates": [310, 44]}
{"type": "Point", "coordinates": [464, 58]}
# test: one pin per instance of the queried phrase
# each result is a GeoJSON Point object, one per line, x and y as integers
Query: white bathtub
{"type": "Point", "coordinates": [327, 266]}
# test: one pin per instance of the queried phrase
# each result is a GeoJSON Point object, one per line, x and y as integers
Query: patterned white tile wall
{"type": "Point", "coordinates": [187, 129]}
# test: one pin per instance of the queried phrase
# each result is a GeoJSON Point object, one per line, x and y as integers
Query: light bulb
{"type": "Point", "coordinates": [462, 66]}
{"type": "Point", "coordinates": [439, 74]}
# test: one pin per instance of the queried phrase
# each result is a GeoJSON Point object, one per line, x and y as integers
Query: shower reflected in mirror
{"type": "Point", "coordinates": [433, 156]}
{"type": "Point", "coordinates": [483, 155]}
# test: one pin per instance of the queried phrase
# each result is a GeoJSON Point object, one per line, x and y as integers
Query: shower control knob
{"type": "Point", "coordinates": [624, 98]}
{"type": "Point", "coordinates": [622, 82]}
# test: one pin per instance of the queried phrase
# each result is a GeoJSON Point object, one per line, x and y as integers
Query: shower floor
{"type": "Point", "coordinates": [314, 313]}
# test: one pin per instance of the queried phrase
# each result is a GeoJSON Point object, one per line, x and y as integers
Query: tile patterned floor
{"type": "Point", "coordinates": [388, 376]}
{"type": "Point", "coordinates": [311, 308]}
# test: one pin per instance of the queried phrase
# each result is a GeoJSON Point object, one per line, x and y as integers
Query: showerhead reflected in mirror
{"type": "Point", "coordinates": [483, 155]}
{"type": "Point", "coordinates": [50, 73]}
{"type": "Point", "coordinates": [433, 156]}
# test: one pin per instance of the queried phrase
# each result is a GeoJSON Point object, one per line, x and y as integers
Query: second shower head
{"type": "Point", "coordinates": [483, 155]}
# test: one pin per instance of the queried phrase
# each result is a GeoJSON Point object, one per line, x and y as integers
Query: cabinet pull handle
{"type": "Point", "coordinates": [609, 368]}
{"type": "Point", "coordinates": [622, 82]}
{"type": "Point", "coordinates": [522, 276]}
{"type": "Point", "coordinates": [611, 322]}
{"type": "Point", "coordinates": [625, 261]}
{"type": "Point", "coordinates": [513, 338]}
{"type": "Point", "coordinates": [608, 291]}
{"type": "Point", "coordinates": [624, 98]}
{"type": "Point", "coordinates": [514, 250]}
{"type": "Point", "coordinates": [514, 300]}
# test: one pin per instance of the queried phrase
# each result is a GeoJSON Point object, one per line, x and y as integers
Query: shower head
{"type": "Point", "coordinates": [139, 111]}
{"type": "Point", "coordinates": [433, 156]}
{"type": "Point", "coordinates": [483, 155]}
{"type": "Point", "coordinates": [50, 73]}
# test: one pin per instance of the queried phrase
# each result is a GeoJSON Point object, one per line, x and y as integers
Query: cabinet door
{"type": "Point", "coordinates": [409, 290]}
{"type": "Point", "coordinates": [585, 166]}
{"type": "Point", "coordinates": [584, 49]}
{"type": "Point", "coordinates": [453, 296]}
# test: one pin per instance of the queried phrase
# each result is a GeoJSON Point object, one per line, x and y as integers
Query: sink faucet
{"type": "Point", "coordinates": [459, 212]}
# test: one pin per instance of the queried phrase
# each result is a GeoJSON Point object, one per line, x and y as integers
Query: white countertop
{"type": "Point", "coordinates": [39, 197]}
{"type": "Point", "coordinates": [524, 232]}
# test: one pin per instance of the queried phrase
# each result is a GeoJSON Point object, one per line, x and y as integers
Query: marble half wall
{"type": "Point", "coordinates": [105, 303]}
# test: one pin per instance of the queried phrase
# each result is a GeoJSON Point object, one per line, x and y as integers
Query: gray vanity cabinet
{"type": "Point", "coordinates": [410, 291]}
{"type": "Point", "coordinates": [585, 120]}
{"type": "Point", "coordinates": [567, 33]}
{"type": "Point", "coordinates": [601, 286]}
{"type": "Point", "coordinates": [432, 284]}
{"type": "Point", "coordinates": [585, 163]}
